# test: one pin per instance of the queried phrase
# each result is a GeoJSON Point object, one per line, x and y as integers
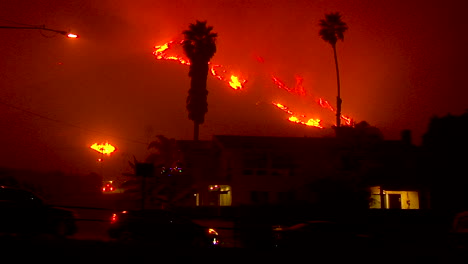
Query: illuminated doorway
{"type": "Point", "coordinates": [393, 199]}
{"type": "Point", "coordinates": [219, 195]}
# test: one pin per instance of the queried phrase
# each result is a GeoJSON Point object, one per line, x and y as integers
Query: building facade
{"type": "Point", "coordinates": [250, 170]}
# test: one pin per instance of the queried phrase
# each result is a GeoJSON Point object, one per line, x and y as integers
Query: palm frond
{"type": "Point", "coordinates": [332, 28]}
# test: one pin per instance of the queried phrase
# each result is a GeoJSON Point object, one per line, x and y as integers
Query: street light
{"type": "Point", "coordinates": [65, 33]}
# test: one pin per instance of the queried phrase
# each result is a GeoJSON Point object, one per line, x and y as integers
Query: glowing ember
{"type": "Point", "coordinates": [282, 107]}
{"type": "Point", "coordinates": [235, 82]}
{"type": "Point", "coordinates": [348, 120]}
{"type": "Point", "coordinates": [103, 148]}
{"type": "Point", "coordinates": [280, 84]}
{"type": "Point", "coordinates": [160, 53]}
{"type": "Point", "coordinates": [325, 104]}
{"type": "Point", "coordinates": [313, 122]}
{"type": "Point", "coordinates": [298, 89]}
{"type": "Point", "coordinates": [215, 73]}
{"type": "Point", "coordinates": [295, 119]}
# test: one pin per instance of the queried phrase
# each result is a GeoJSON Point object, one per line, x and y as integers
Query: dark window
{"type": "Point", "coordinates": [247, 172]}
{"type": "Point", "coordinates": [255, 159]}
{"type": "Point", "coordinates": [276, 173]}
{"type": "Point", "coordinates": [259, 197]}
{"type": "Point", "coordinates": [281, 161]}
{"type": "Point", "coordinates": [262, 172]}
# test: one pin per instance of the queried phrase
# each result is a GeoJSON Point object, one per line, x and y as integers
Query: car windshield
{"type": "Point", "coordinates": [316, 226]}
{"type": "Point", "coordinates": [18, 196]}
{"type": "Point", "coordinates": [161, 216]}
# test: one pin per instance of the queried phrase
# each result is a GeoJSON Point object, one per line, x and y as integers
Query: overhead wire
{"type": "Point", "coordinates": [69, 124]}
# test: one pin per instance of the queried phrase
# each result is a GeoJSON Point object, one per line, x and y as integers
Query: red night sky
{"type": "Point", "coordinates": [401, 63]}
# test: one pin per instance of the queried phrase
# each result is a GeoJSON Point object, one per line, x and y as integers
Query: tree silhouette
{"type": "Point", "coordinates": [167, 182]}
{"type": "Point", "coordinates": [199, 46]}
{"type": "Point", "coordinates": [446, 142]}
{"type": "Point", "coordinates": [332, 29]}
{"type": "Point", "coordinates": [164, 153]}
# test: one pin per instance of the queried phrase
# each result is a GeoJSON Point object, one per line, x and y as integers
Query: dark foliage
{"type": "Point", "coordinates": [332, 28]}
{"type": "Point", "coordinates": [199, 45]}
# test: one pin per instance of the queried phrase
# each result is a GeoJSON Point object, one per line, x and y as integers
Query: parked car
{"type": "Point", "coordinates": [108, 187]}
{"type": "Point", "coordinates": [161, 227]}
{"type": "Point", "coordinates": [25, 214]}
{"type": "Point", "coordinates": [318, 235]}
{"type": "Point", "coordinates": [458, 235]}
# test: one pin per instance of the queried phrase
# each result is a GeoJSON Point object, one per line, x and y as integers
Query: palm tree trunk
{"type": "Point", "coordinates": [195, 130]}
{"type": "Point", "coordinates": [338, 97]}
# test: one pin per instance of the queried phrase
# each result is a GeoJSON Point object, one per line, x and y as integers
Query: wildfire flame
{"type": "Point", "coordinates": [103, 148]}
{"type": "Point", "coordinates": [238, 83]}
{"type": "Point", "coordinates": [298, 89]}
{"type": "Point", "coordinates": [160, 53]}
{"type": "Point", "coordinates": [293, 118]}
{"type": "Point", "coordinates": [235, 82]}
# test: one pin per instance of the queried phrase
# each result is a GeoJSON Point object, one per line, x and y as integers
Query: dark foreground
{"type": "Point", "coordinates": [50, 250]}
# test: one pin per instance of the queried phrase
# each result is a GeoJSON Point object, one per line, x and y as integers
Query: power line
{"type": "Point", "coordinates": [69, 124]}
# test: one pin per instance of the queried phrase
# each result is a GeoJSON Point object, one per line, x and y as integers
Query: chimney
{"type": "Point", "coordinates": [406, 137]}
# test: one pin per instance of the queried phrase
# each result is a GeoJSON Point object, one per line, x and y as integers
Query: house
{"type": "Point", "coordinates": [234, 170]}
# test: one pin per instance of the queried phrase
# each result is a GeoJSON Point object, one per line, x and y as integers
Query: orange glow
{"type": "Point", "coordinates": [160, 54]}
{"type": "Point", "coordinates": [295, 119]}
{"type": "Point", "coordinates": [313, 122]}
{"type": "Point", "coordinates": [325, 104]}
{"type": "Point", "coordinates": [215, 73]}
{"type": "Point", "coordinates": [298, 89]}
{"type": "Point", "coordinates": [212, 231]}
{"type": "Point", "coordinates": [282, 107]}
{"type": "Point", "coordinates": [310, 122]}
{"type": "Point", "coordinates": [280, 84]}
{"type": "Point", "coordinates": [237, 83]}
{"type": "Point", "coordinates": [103, 148]}
{"type": "Point", "coordinates": [348, 120]}
{"type": "Point", "coordinates": [114, 218]}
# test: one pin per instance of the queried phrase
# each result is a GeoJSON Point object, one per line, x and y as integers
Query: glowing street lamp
{"type": "Point", "coordinates": [65, 33]}
{"type": "Point", "coordinates": [106, 149]}
{"type": "Point", "coordinates": [71, 35]}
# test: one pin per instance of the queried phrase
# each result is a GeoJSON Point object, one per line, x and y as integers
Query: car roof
{"type": "Point", "coordinates": [311, 223]}
{"type": "Point", "coordinates": [152, 213]}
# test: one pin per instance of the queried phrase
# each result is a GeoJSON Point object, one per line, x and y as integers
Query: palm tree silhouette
{"type": "Point", "coordinates": [332, 29]}
{"type": "Point", "coordinates": [199, 46]}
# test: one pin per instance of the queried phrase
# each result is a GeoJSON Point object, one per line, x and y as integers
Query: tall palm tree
{"type": "Point", "coordinates": [333, 29]}
{"type": "Point", "coordinates": [199, 46]}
